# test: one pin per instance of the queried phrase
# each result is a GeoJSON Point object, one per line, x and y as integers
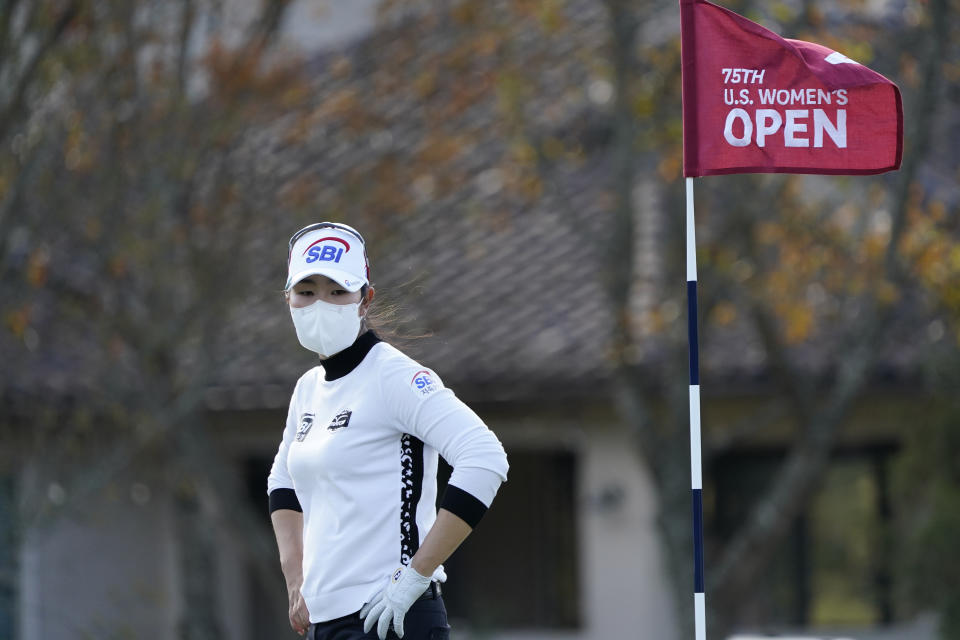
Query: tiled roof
{"type": "Point", "coordinates": [512, 293]}
{"type": "Point", "coordinates": [510, 309]}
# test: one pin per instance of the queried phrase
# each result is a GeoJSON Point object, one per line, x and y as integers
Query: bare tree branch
{"type": "Point", "coordinates": [187, 19]}
{"type": "Point", "coordinates": [751, 546]}
{"type": "Point", "coordinates": [11, 111]}
{"type": "Point", "coordinates": [7, 12]}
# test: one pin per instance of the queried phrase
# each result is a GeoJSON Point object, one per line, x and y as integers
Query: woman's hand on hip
{"type": "Point", "coordinates": [299, 616]}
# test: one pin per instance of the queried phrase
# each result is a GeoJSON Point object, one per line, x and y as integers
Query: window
{"type": "Point", "coordinates": [834, 569]}
{"type": "Point", "coordinates": [520, 568]}
{"type": "Point", "coordinates": [9, 547]}
{"type": "Point", "coordinates": [849, 568]}
{"type": "Point", "coordinates": [262, 620]}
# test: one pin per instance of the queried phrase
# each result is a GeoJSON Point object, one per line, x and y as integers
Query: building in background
{"type": "Point", "coordinates": [508, 275]}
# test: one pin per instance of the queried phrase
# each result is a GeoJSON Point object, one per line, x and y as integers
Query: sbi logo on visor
{"type": "Point", "coordinates": [326, 253]}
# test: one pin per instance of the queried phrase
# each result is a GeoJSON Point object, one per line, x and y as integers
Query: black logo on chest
{"type": "Point", "coordinates": [306, 421]}
{"type": "Point", "coordinates": [340, 420]}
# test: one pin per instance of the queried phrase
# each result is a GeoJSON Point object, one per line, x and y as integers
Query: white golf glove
{"type": "Point", "coordinates": [393, 601]}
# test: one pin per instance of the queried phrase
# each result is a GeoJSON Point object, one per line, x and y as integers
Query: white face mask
{"type": "Point", "coordinates": [325, 327]}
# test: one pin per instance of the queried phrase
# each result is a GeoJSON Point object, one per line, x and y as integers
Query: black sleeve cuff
{"type": "Point", "coordinates": [463, 505]}
{"type": "Point", "coordinates": [284, 499]}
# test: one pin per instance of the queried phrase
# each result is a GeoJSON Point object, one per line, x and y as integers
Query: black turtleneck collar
{"type": "Point", "coordinates": [342, 363]}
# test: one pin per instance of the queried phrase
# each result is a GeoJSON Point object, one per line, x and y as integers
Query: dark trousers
{"type": "Point", "coordinates": [426, 620]}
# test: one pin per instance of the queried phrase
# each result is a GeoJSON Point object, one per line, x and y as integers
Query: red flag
{"type": "Point", "coordinates": [754, 102]}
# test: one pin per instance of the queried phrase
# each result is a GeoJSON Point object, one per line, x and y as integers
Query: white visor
{"type": "Point", "coordinates": [330, 251]}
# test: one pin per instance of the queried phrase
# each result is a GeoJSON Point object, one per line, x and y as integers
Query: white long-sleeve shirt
{"type": "Point", "coordinates": [360, 452]}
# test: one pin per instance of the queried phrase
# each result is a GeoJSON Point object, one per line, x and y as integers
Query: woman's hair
{"type": "Point", "coordinates": [383, 318]}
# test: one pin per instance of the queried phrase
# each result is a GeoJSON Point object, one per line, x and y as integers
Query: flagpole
{"type": "Point", "coordinates": [696, 478]}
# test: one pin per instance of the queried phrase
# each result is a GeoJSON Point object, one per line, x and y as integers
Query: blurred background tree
{"type": "Point", "coordinates": [130, 130]}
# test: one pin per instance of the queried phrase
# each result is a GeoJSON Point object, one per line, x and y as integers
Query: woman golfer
{"type": "Point", "coordinates": [353, 486]}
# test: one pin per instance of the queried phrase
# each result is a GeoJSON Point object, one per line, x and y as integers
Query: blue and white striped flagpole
{"type": "Point", "coordinates": [696, 478]}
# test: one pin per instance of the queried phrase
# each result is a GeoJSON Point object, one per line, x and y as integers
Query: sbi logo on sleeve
{"type": "Point", "coordinates": [424, 383]}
